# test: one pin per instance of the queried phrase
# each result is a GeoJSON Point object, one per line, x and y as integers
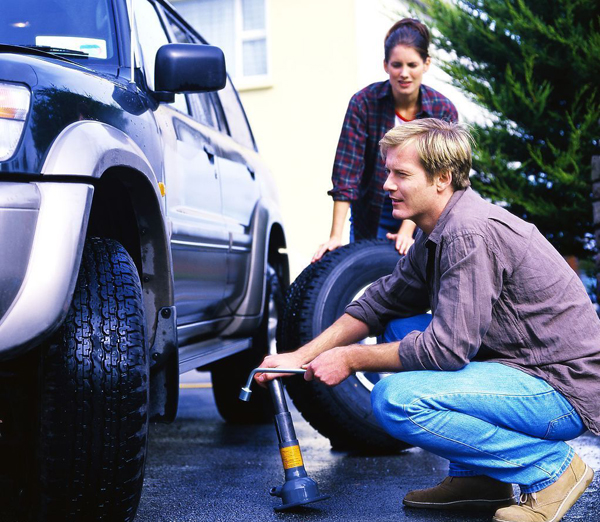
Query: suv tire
{"type": "Point", "coordinates": [229, 375]}
{"type": "Point", "coordinates": [318, 297]}
{"type": "Point", "coordinates": [92, 424]}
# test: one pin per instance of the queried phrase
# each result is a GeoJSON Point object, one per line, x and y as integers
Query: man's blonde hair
{"type": "Point", "coordinates": [442, 146]}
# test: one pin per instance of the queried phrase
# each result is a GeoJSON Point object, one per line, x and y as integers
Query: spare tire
{"type": "Point", "coordinates": [317, 298]}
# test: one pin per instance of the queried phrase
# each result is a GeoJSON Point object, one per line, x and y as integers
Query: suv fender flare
{"type": "Point", "coordinates": [105, 147]}
{"type": "Point", "coordinates": [248, 313]}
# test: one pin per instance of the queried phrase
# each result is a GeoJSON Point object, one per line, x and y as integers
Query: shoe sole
{"type": "Point", "coordinates": [479, 504]}
{"type": "Point", "coordinates": [576, 491]}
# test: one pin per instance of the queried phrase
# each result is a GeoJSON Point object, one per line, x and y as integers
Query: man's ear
{"type": "Point", "coordinates": [444, 180]}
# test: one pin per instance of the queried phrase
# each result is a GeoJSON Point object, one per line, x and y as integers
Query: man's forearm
{"type": "Point", "coordinates": [374, 357]}
{"type": "Point", "coordinates": [346, 330]}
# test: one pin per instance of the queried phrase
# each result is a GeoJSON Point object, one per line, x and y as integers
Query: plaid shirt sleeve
{"type": "Point", "coordinates": [349, 164]}
{"type": "Point", "coordinates": [449, 113]}
{"type": "Point", "coordinates": [436, 105]}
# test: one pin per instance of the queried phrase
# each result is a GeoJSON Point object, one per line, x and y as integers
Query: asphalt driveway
{"type": "Point", "coordinates": [203, 470]}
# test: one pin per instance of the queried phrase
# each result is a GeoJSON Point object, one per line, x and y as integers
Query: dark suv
{"type": "Point", "coordinates": [140, 237]}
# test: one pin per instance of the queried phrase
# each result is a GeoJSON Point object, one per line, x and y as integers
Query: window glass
{"type": "Point", "coordinates": [253, 13]}
{"type": "Point", "coordinates": [202, 109]}
{"type": "Point", "coordinates": [254, 53]}
{"type": "Point", "coordinates": [152, 36]}
{"type": "Point", "coordinates": [84, 27]}
{"type": "Point", "coordinates": [236, 119]}
{"type": "Point", "coordinates": [178, 33]}
{"type": "Point", "coordinates": [216, 102]}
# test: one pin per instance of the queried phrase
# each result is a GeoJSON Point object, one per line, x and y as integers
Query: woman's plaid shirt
{"type": "Point", "coordinates": [358, 171]}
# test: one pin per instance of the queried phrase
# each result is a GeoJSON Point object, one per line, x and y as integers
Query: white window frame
{"type": "Point", "coordinates": [242, 82]}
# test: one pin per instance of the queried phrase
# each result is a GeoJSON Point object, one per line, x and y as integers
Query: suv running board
{"type": "Point", "coordinates": [203, 353]}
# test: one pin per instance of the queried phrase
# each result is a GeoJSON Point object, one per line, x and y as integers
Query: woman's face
{"type": "Point", "coordinates": [405, 68]}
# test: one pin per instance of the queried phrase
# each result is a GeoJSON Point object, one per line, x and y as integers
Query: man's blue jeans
{"type": "Point", "coordinates": [487, 418]}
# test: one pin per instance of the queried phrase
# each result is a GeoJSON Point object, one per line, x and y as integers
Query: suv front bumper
{"type": "Point", "coordinates": [42, 233]}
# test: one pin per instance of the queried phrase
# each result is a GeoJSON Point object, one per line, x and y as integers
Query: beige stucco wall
{"type": "Point", "coordinates": [297, 120]}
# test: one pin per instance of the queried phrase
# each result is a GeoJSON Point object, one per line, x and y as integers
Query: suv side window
{"type": "Point", "coordinates": [152, 36]}
{"type": "Point", "coordinates": [201, 103]}
{"type": "Point", "coordinates": [236, 118]}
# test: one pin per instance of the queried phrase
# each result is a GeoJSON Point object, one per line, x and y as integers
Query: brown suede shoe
{"type": "Point", "coordinates": [474, 493]}
{"type": "Point", "coordinates": [551, 503]}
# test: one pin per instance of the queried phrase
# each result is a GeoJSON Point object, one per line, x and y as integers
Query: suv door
{"type": "Point", "coordinates": [199, 237]}
{"type": "Point", "coordinates": [234, 150]}
{"type": "Point", "coordinates": [239, 189]}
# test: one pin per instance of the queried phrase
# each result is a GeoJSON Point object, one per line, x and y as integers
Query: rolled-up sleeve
{"type": "Point", "coordinates": [470, 284]}
{"type": "Point", "coordinates": [401, 294]}
{"type": "Point", "coordinates": [349, 161]}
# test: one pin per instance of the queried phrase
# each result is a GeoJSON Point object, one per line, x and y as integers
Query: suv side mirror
{"type": "Point", "coordinates": [189, 68]}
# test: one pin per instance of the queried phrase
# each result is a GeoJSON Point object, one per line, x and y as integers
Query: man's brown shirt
{"type": "Point", "coordinates": [498, 291]}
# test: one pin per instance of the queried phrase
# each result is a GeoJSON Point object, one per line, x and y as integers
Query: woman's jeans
{"type": "Point", "coordinates": [487, 418]}
{"type": "Point", "coordinates": [392, 225]}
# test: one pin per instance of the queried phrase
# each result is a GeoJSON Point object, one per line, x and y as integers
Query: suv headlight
{"type": "Point", "coordinates": [14, 106]}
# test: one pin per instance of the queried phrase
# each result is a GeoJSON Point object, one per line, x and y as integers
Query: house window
{"type": "Point", "coordinates": [239, 28]}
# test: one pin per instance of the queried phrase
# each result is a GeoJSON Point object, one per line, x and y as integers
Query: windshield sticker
{"type": "Point", "coordinates": [93, 47]}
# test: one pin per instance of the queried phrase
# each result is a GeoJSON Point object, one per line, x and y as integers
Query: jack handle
{"type": "Point", "coordinates": [246, 392]}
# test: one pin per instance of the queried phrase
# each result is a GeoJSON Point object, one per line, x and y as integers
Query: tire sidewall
{"type": "Point", "coordinates": [316, 299]}
{"type": "Point", "coordinates": [351, 275]}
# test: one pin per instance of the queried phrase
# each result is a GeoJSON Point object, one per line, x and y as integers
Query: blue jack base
{"type": "Point", "coordinates": [300, 503]}
{"type": "Point", "coordinates": [297, 491]}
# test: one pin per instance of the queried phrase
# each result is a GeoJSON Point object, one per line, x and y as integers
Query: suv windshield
{"type": "Point", "coordinates": [77, 29]}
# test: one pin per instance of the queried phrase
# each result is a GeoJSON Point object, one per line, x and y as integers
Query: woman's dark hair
{"type": "Point", "coordinates": [409, 32]}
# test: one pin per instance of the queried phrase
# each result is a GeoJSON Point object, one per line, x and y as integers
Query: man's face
{"type": "Point", "coordinates": [413, 195]}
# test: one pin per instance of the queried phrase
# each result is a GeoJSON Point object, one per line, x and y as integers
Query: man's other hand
{"type": "Point", "coordinates": [331, 367]}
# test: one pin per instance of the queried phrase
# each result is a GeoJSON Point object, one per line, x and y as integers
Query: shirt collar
{"type": "Point", "coordinates": [425, 98]}
{"type": "Point", "coordinates": [384, 90]}
{"type": "Point", "coordinates": [438, 230]}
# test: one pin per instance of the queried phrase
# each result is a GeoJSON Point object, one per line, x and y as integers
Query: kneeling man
{"type": "Point", "coordinates": [508, 367]}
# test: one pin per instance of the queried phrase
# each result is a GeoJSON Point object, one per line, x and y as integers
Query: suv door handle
{"type": "Point", "coordinates": [210, 152]}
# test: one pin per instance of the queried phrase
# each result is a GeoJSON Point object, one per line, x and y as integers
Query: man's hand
{"type": "Point", "coordinates": [331, 367]}
{"type": "Point", "coordinates": [282, 360]}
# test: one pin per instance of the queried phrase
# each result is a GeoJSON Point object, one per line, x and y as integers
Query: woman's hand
{"type": "Point", "coordinates": [403, 239]}
{"type": "Point", "coordinates": [402, 242]}
{"type": "Point", "coordinates": [328, 246]}
{"type": "Point", "coordinates": [340, 211]}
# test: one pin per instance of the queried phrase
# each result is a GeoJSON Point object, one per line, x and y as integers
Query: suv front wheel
{"type": "Point", "coordinates": [92, 423]}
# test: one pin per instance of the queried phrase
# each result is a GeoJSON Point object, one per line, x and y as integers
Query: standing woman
{"type": "Point", "coordinates": [358, 171]}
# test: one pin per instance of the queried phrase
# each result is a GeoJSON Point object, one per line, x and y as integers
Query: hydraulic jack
{"type": "Point", "coordinates": [299, 488]}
